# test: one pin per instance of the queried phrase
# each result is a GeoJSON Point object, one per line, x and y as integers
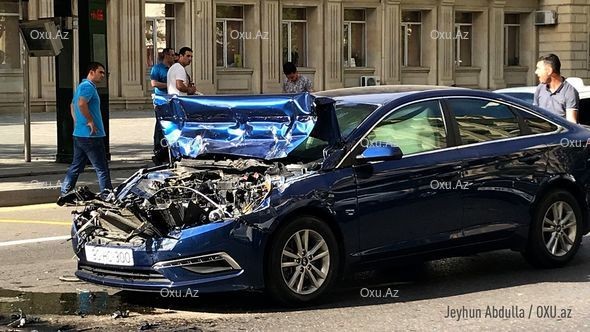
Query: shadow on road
{"type": "Point", "coordinates": [429, 280]}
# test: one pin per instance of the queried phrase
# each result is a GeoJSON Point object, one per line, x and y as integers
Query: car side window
{"type": "Point", "coordinates": [483, 120]}
{"type": "Point", "coordinates": [414, 128]}
{"type": "Point", "coordinates": [536, 124]}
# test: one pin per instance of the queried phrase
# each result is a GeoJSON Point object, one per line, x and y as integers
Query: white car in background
{"type": "Point", "coordinates": [526, 93]}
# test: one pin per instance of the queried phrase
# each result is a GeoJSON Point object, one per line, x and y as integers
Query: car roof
{"type": "Point", "coordinates": [521, 89]}
{"type": "Point", "coordinates": [577, 83]}
{"type": "Point", "coordinates": [379, 94]}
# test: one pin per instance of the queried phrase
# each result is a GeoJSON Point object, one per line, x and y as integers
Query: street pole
{"type": "Point", "coordinates": [27, 115]}
{"type": "Point", "coordinates": [27, 99]}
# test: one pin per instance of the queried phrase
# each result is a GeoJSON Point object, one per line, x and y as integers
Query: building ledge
{"type": "Point", "coordinates": [359, 70]}
{"type": "Point", "coordinates": [415, 70]}
{"type": "Point", "coordinates": [231, 70]}
{"type": "Point", "coordinates": [468, 69]}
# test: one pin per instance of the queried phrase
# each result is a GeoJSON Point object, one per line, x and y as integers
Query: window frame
{"type": "Point", "coordinates": [152, 20]}
{"type": "Point", "coordinates": [349, 23]}
{"type": "Point", "coordinates": [289, 23]}
{"type": "Point", "coordinates": [451, 127]}
{"type": "Point", "coordinates": [526, 132]}
{"type": "Point", "coordinates": [224, 21]}
{"type": "Point", "coordinates": [405, 41]}
{"type": "Point", "coordinates": [523, 130]}
{"type": "Point", "coordinates": [507, 27]}
{"type": "Point", "coordinates": [458, 41]}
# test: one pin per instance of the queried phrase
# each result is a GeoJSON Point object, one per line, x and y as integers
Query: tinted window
{"type": "Point", "coordinates": [483, 120]}
{"type": "Point", "coordinates": [350, 115]}
{"type": "Point", "coordinates": [414, 128]}
{"type": "Point", "coordinates": [536, 124]}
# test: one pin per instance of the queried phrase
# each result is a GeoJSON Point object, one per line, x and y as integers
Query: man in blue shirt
{"type": "Point", "coordinates": [88, 132]}
{"type": "Point", "coordinates": [158, 77]}
{"type": "Point", "coordinates": [159, 72]}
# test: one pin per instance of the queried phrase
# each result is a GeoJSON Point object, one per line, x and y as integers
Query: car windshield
{"type": "Point", "coordinates": [349, 116]}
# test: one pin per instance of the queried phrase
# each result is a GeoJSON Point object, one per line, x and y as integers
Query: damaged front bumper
{"type": "Point", "coordinates": [216, 257]}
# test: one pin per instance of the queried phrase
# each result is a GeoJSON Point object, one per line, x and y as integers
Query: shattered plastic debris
{"type": "Point", "coordinates": [66, 278]}
{"type": "Point", "coordinates": [148, 326]}
{"type": "Point", "coordinates": [120, 314]}
{"type": "Point", "coordinates": [20, 319]}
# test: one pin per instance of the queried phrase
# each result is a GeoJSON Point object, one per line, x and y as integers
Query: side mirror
{"type": "Point", "coordinates": [380, 151]}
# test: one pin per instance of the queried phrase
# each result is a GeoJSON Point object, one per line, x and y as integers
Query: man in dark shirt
{"type": "Point", "coordinates": [554, 93]}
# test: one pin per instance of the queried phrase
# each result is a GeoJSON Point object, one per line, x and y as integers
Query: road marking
{"type": "Point", "coordinates": [18, 221]}
{"type": "Point", "coordinates": [28, 207]}
{"type": "Point", "coordinates": [43, 239]}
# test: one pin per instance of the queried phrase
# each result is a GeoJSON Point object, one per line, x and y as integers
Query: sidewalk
{"type": "Point", "coordinates": [38, 181]}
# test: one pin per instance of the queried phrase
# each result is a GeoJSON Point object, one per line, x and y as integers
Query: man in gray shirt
{"type": "Point", "coordinates": [554, 93]}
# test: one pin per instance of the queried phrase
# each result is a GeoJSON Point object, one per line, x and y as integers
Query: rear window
{"type": "Point", "coordinates": [537, 124]}
{"type": "Point", "coordinates": [483, 120]}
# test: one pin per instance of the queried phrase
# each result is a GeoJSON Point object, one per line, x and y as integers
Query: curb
{"type": "Point", "coordinates": [138, 165]}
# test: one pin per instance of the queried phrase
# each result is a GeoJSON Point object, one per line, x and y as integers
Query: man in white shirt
{"type": "Point", "coordinates": [179, 83]}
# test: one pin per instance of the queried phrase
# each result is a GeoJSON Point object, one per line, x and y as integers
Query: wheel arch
{"type": "Point", "coordinates": [314, 211]}
{"type": "Point", "coordinates": [568, 184]}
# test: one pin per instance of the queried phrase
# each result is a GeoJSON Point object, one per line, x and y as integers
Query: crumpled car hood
{"type": "Point", "coordinates": [258, 126]}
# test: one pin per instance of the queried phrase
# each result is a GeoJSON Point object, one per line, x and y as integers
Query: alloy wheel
{"type": "Point", "coordinates": [559, 228]}
{"type": "Point", "coordinates": [305, 262]}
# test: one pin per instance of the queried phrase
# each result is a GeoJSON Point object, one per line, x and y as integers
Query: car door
{"type": "Point", "coordinates": [411, 202]}
{"type": "Point", "coordinates": [501, 164]}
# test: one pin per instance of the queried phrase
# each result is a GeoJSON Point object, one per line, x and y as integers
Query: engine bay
{"type": "Point", "coordinates": [156, 203]}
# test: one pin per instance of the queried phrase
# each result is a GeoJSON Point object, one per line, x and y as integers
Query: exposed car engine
{"type": "Point", "coordinates": [158, 203]}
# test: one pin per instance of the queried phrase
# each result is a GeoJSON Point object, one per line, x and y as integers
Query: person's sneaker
{"type": "Point", "coordinates": [64, 198]}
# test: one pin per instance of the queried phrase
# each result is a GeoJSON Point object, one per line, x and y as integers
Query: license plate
{"type": "Point", "coordinates": [108, 255]}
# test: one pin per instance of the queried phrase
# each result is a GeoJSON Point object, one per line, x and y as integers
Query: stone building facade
{"type": "Point", "coordinates": [240, 46]}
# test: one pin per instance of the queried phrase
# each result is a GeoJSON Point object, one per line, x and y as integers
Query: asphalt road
{"type": "Point", "coordinates": [496, 291]}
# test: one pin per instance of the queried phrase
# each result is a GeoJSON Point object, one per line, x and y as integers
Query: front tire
{"type": "Point", "coordinates": [303, 261]}
{"type": "Point", "coordinates": [556, 231]}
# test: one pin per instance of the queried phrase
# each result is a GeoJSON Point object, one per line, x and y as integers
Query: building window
{"type": "Point", "coordinates": [411, 38]}
{"type": "Point", "coordinates": [511, 39]}
{"type": "Point", "coordinates": [160, 30]}
{"type": "Point", "coordinates": [10, 55]}
{"type": "Point", "coordinates": [463, 37]}
{"type": "Point", "coordinates": [228, 36]}
{"type": "Point", "coordinates": [295, 36]}
{"type": "Point", "coordinates": [354, 46]}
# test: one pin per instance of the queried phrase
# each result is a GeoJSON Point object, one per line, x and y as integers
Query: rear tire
{"type": "Point", "coordinates": [556, 231]}
{"type": "Point", "coordinates": [303, 261]}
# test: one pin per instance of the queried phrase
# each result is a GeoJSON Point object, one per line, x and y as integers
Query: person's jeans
{"type": "Point", "coordinates": [86, 148]}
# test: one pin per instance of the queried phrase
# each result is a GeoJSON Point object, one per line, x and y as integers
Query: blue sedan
{"type": "Point", "coordinates": [287, 193]}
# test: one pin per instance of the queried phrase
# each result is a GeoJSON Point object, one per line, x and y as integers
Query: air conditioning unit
{"type": "Point", "coordinates": [545, 17]}
{"type": "Point", "coordinates": [370, 80]}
